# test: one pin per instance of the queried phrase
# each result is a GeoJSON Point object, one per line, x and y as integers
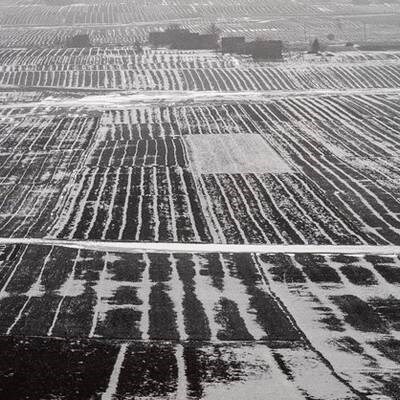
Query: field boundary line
{"type": "Point", "coordinates": [172, 247]}
{"type": "Point", "coordinates": [106, 99]}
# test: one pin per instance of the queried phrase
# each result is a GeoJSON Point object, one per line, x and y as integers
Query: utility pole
{"type": "Point", "coordinates": [305, 34]}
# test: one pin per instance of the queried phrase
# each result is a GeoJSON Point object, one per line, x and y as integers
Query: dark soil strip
{"type": "Point", "coordinates": [269, 315]}
{"type": "Point", "coordinates": [282, 365]}
{"type": "Point", "coordinates": [286, 312]}
{"type": "Point", "coordinates": [210, 364]}
{"type": "Point", "coordinates": [347, 344]}
{"type": "Point", "coordinates": [212, 266]}
{"type": "Point", "coordinates": [359, 314]}
{"type": "Point", "coordinates": [391, 386]}
{"type": "Point", "coordinates": [344, 259]}
{"type": "Point", "coordinates": [283, 269]}
{"type": "Point", "coordinates": [38, 316]}
{"type": "Point", "coordinates": [390, 272]}
{"type": "Point", "coordinates": [234, 326]}
{"type": "Point", "coordinates": [28, 270]}
{"type": "Point", "coordinates": [149, 371]}
{"type": "Point", "coordinates": [126, 295]}
{"type": "Point", "coordinates": [194, 371]}
{"type": "Point", "coordinates": [162, 315]}
{"type": "Point", "coordinates": [58, 268]}
{"type": "Point", "coordinates": [75, 318]}
{"type": "Point", "coordinates": [359, 275]}
{"type": "Point", "coordinates": [196, 321]}
{"type": "Point", "coordinates": [272, 318]}
{"type": "Point", "coordinates": [128, 268]}
{"type": "Point", "coordinates": [390, 348]}
{"type": "Point", "coordinates": [160, 268]}
{"type": "Point", "coordinates": [120, 323]}
{"type": "Point", "coordinates": [9, 309]}
{"type": "Point", "coordinates": [390, 309]}
{"type": "Point", "coordinates": [379, 259]}
{"type": "Point", "coordinates": [33, 369]}
{"type": "Point", "coordinates": [332, 322]}
{"type": "Point", "coordinates": [322, 274]}
{"type": "Point", "coordinates": [316, 268]}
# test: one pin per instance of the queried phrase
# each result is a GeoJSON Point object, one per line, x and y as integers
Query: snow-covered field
{"type": "Point", "coordinates": [192, 225]}
{"type": "Point", "coordinates": [120, 68]}
{"type": "Point", "coordinates": [46, 22]}
{"type": "Point", "coordinates": [229, 154]}
{"type": "Point", "coordinates": [322, 168]}
{"type": "Point", "coordinates": [222, 325]}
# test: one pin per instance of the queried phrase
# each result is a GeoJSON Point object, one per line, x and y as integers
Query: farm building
{"type": "Point", "coordinates": [182, 39]}
{"type": "Point", "coordinates": [259, 49]}
{"type": "Point", "coordinates": [266, 49]}
{"type": "Point", "coordinates": [234, 44]}
{"type": "Point", "coordinates": [206, 42]}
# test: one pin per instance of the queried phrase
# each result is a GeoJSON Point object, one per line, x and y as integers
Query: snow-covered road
{"type": "Point", "coordinates": [158, 247]}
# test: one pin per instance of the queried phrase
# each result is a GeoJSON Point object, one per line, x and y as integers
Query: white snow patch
{"type": "Point", "coordinates": [234, 154]}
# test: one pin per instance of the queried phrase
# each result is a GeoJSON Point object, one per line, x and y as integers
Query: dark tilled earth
{"type": "Point", "coordinates": [82, 324]}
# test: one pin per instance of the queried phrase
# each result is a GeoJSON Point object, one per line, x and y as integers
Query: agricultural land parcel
{"type": "Point", "coordinates": [108, 144]}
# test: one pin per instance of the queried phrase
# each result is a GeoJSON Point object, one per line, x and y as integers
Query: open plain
{"type": "Point", "coordinates": [111, 148]}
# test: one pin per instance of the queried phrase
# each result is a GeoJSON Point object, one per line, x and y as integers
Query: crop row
{"type": "Point", "coordinates": [201, 297]}
{"type": "Point", "coordinates": [143, 296]}
{"type": "Point", "coordinates": [347, 306]}
{"type": "Point", "coordinates": [352, 161]}
{"type": "Point", "coordinates": [130, 203]}
{"type": "Point", "coordinates": [289, 29]}
{"type": "Point", "coordinates": [314, 311]}
{"type": "Point", "coordinates": [124, 13]}
{"type": "Point", "coordinates": [165, 70]}
{"type": "Point", "coordinates": [161, 370]}
{"type": "Point", "coordinates": [38, 156]}
{"type": "Point", "coordinates": [134, 174]}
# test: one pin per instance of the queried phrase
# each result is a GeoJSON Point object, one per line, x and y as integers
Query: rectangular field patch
{"type": "Point", "coordinates": [234, 154]}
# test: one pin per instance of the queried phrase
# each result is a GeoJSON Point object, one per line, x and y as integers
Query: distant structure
{"type": "Point", "coordinates": [81, 40]}
{"type": "Point", "coordinates": [258, 49]}
{"type": "Point", "coordinates": [315, 47]}
{"type": "Point", "coordinates": [206, 42]}
{"type": "Point", "coordinates": [234, 44]}
{"type": "Point", "coordinates": [182, 39]}
{"type": "Point", "coordinates": [266, 49]}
